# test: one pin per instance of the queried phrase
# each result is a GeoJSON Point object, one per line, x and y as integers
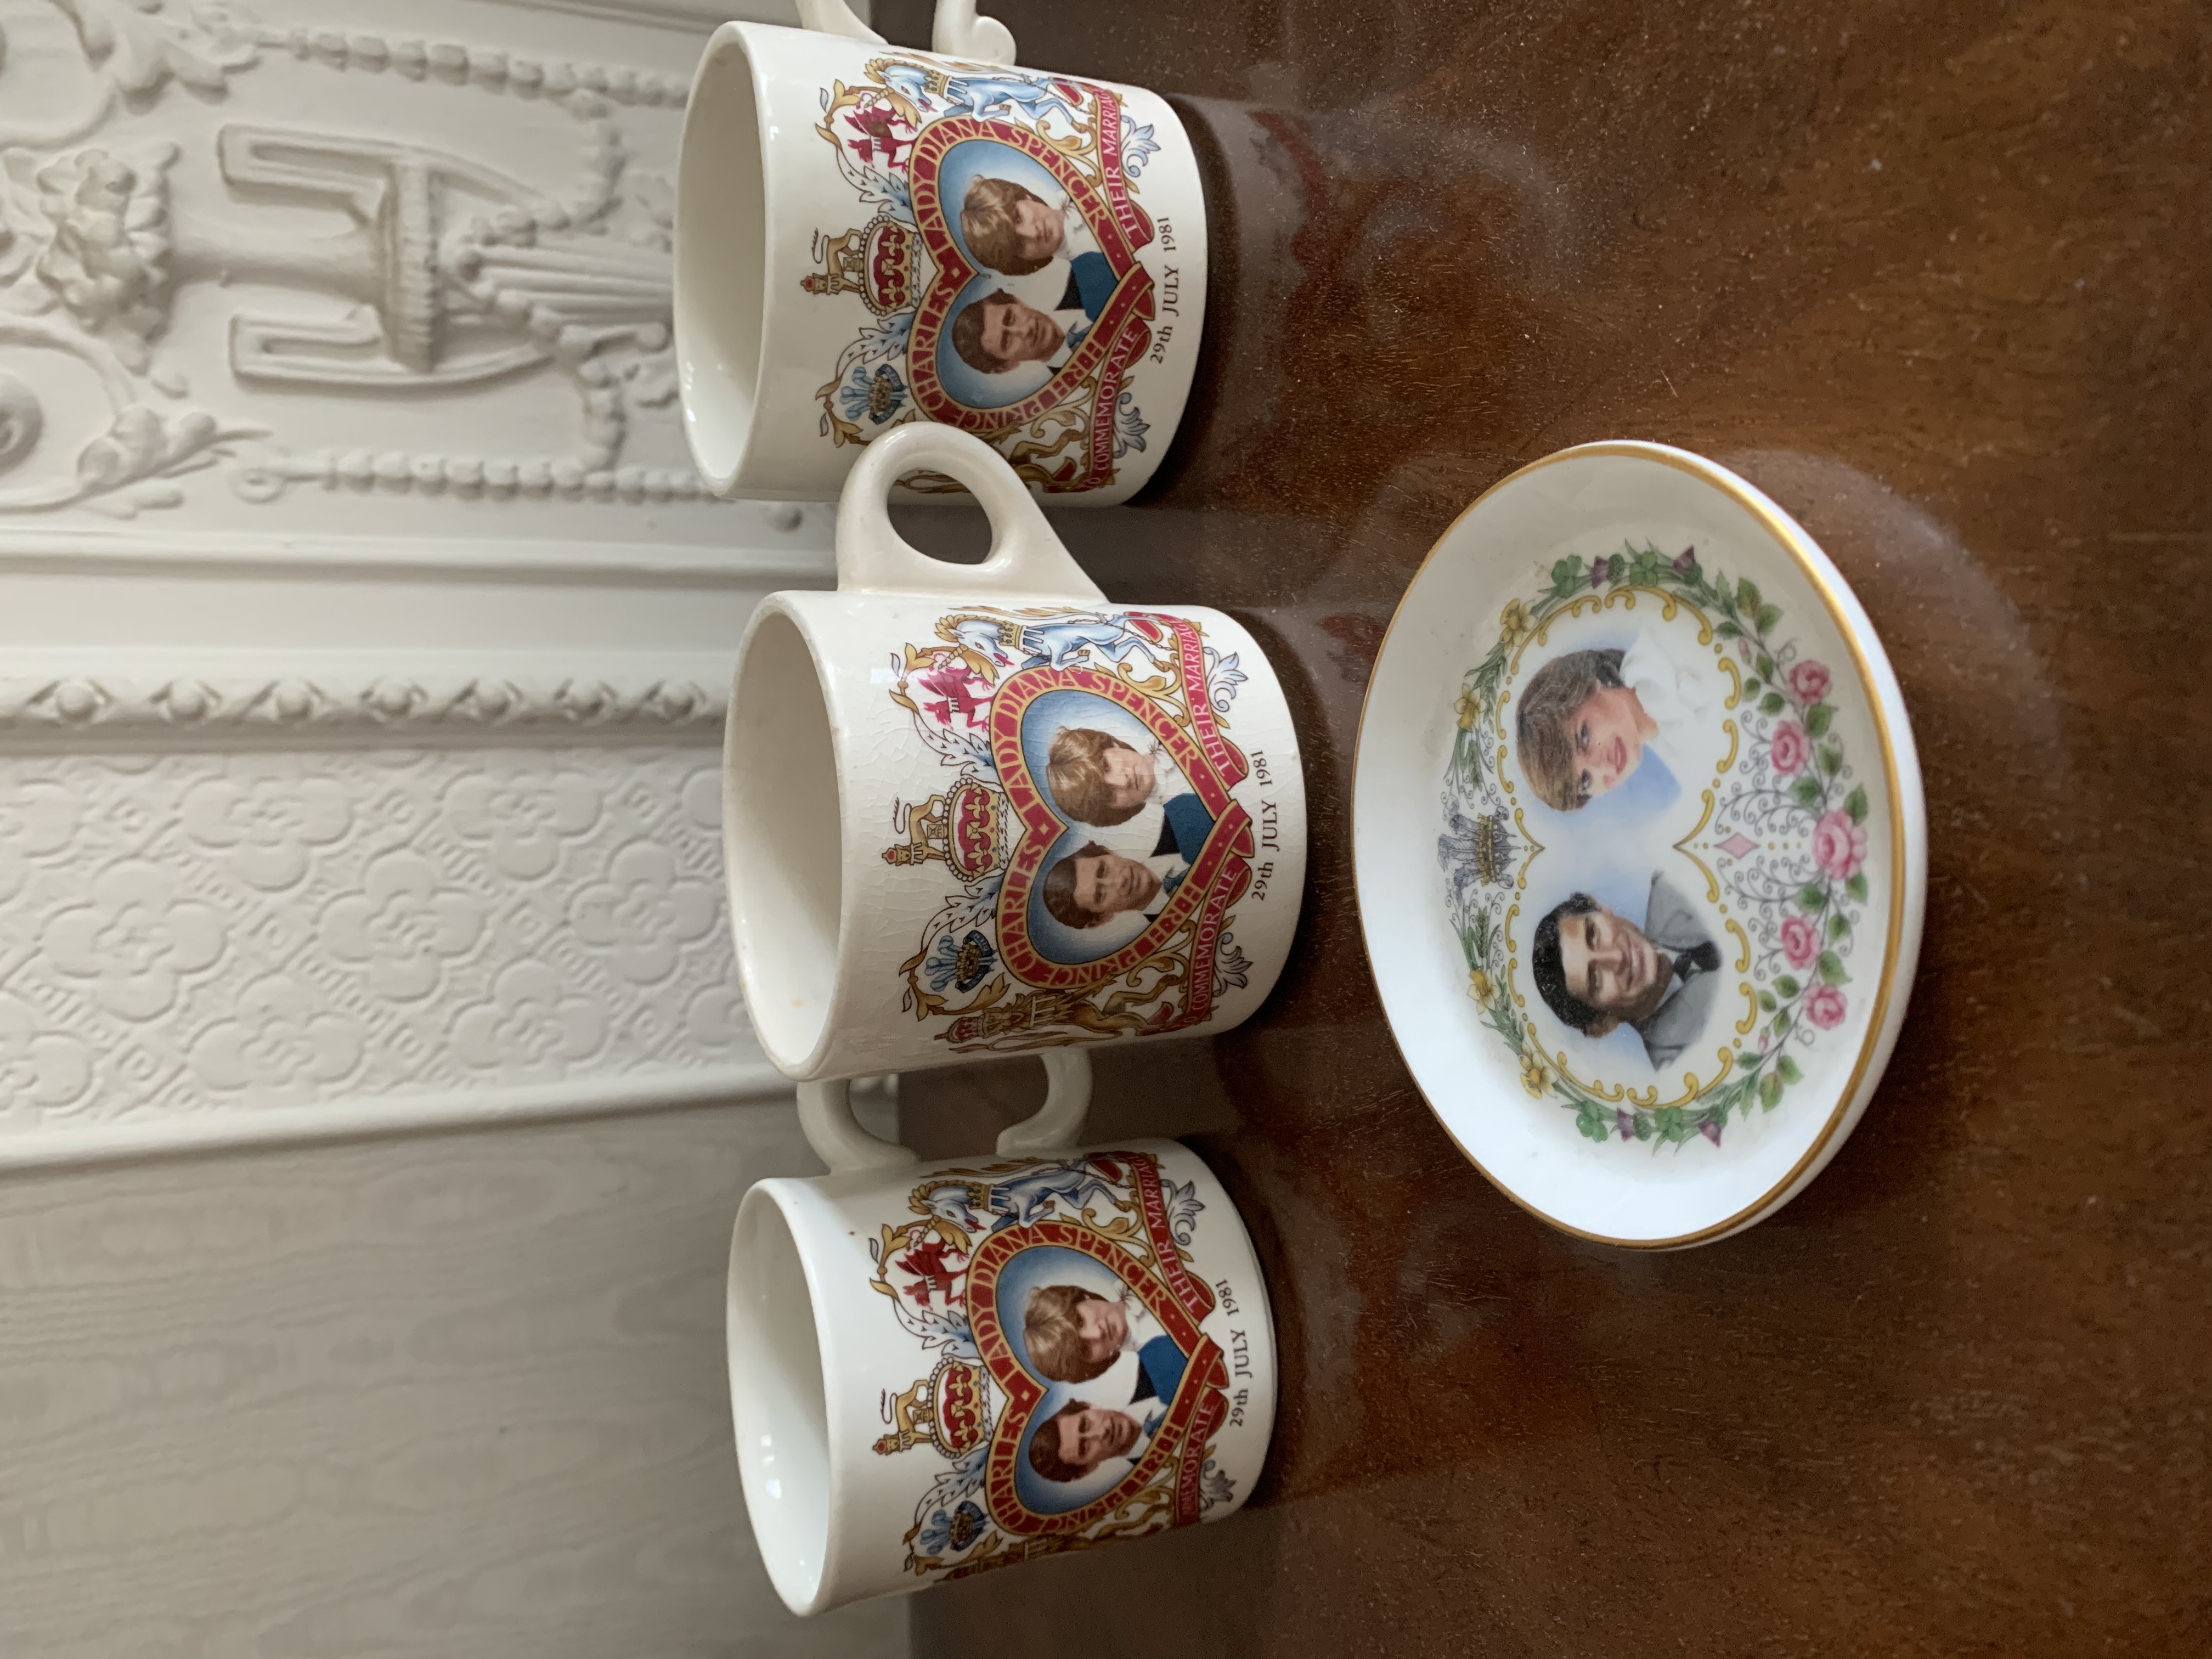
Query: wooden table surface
{"type": "Point", "coordinates": [1935, 278]}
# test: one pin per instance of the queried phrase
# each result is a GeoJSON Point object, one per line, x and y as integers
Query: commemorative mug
{"type": "Point", "coordinates": [974, 808]}
{"type": "Point", "coordinates": [868, 237]}
{"type": "Point", "coordinates": [940, 1369]}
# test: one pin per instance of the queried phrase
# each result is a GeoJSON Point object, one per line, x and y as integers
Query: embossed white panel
{"type": "Point", "coordinates": [272, 928]}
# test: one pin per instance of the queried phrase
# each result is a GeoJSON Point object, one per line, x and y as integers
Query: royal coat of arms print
{"type": "Point", "coordinates": [1106, 848]}
{"type": "Point", "coordinates": [1002, 271]}
{"type": "Point", "coordinates": [1084, 1379]}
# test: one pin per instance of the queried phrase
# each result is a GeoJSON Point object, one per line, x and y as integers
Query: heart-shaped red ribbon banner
{"type": "Point", "coordinates": [1218, 876]}
{"type": "Point", "coordinates": [1171, 1295]}
{"type": "Point", "coordinates": [1117, 339]}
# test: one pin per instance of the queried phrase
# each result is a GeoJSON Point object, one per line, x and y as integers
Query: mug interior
{"type": "Point", "coordinates": [781, 843]}
{"type": "Point", "coordinates": [778, 1405]}
{"type": "Point", "coordinates": [721, 259]}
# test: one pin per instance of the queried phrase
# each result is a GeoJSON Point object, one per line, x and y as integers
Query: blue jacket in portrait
{"type": "Point", "coordinates": [1185, 824]}
{"type": "Point", "coordinates": [1160, 1366]}
{"type": "Point", "coordinates": [1089, 284]}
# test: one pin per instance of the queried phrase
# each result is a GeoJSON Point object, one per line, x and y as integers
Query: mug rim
{"type": "Point", "coordinates": [727, 54]}
{"type": "Point", "coordinates": [802, 1597]}
{"type": "Point", "coordinates": [752, 978]}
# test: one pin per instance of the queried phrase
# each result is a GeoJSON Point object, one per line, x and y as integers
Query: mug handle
{"type": "Point", "coordinates": [825, 1117]}
{"type": "Point", "coordinates": [957, 32]}
{"type": "Point", "coordinates": [1026, 556]}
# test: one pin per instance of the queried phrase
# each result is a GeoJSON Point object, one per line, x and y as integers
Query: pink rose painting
{"type": "Point", "coordinates": [1809, 680]}
{"type": "Point", "coordinates": [1800, 941]}
{"type": "Point", "coordinates": [1791, 748]}
{"type": "Point", "coordinates": [1825, 1007]}
{"type": "Point", "coordinates": [1840, 844]}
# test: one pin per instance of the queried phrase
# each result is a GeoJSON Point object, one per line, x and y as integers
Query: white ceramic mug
{"type": "Point", "coordinates": [976, 809]}
{"type": "Point", "coordinates": [868, 237]}
{"type": "Point", "coordinates": [936, 1370]}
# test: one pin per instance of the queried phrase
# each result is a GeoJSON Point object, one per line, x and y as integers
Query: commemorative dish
{"type": "Point", "coordinates": [1639, 845]}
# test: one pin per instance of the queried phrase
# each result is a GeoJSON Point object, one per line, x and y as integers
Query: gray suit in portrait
{"type": "Point", "coordinates": [1671, 923]}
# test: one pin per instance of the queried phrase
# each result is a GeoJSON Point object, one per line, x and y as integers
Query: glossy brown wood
{"type": "Point", "coordinates": [1936, 278]}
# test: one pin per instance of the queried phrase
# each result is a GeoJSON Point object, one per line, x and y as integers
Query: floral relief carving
{"type": "Point", "coordinates": [95, 224]}
{"type": "Point", "coordinates": [49, 1071]}
{"type": "Point", "coordinates": [190, 932]}
{"type": "Point", "coordinates": [36, 824]}
{"type": "Point", "coordinates": [139, 46]}
{"type": "Point", "coordinates": [530, 1022]}
{"type": "Point", "coordinates": [715, 1015]}
{"type": "Point", "coordinates": [121, 471]}
{"type": "Point", "coordinates": [641, 912]}
{"type": "Point", "coordinates": [455, 272]}
{"type": "Point", "coordinates": [283, 1033]}
{"type": "Point", "coordinates": [269, 820]}
{"type": "Point", "coordinates": [403, 926]}
{"type": "Point", "coordinates": [522, 816]}
{"type": "Point", "coordinates": [702, 800]}
{"type": "Point", "coordinates": [137, 939]}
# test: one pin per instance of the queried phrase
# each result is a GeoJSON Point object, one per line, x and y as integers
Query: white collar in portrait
{"type": "Point", "coordinates": [1679, 685]}
{"type": "Point", "coordinates": [1168, 780]}
{"type": "Point", "coordinates": [1075, 235]}
{"type": "Point", "coordinates": [1115, 1387]}
{"type": "Point", "coordinates": [1143, 1327]}
{"type": "Point", "coordinates": [1041, 289]}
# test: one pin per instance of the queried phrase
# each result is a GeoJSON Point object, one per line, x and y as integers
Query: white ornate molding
{"type": "Point", "coordinates": [368, 634]}
{"type": "Point", "coordinates": [191, 709]}
{"type": "Point", "coordinates": [384, 1117]}
{"type": "Point", "coordinates": [696, 18]}
{"type": "Point", "coordinates": [447, 254]}
{"type": "Point", "coordinates": [394, 1116]}
{"type": "Point", "coordinates": [794, 553]}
